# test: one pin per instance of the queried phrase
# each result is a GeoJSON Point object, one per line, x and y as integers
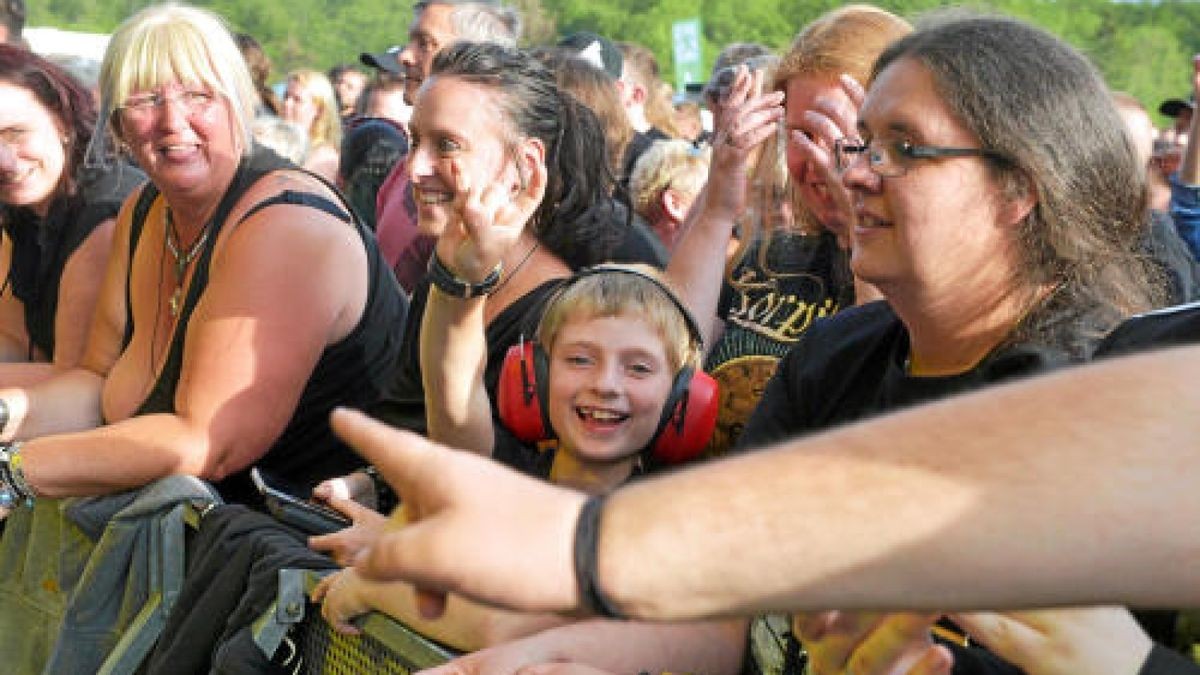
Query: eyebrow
{"type": "Point", "coordinates": [894, 127]}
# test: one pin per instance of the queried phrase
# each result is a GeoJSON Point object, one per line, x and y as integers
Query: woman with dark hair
{"type": "Point", "coordinates": [501, 162]}
{"type": "Point", "coordinates": [491, 124]}
{"type": "Point", "coordinates": [57, 215]}
{"type": "Point", "coordinates": [999, 206]}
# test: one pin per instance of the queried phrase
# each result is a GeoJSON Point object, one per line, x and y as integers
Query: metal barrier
{"type": "Point", "coordinates": [299, 637]}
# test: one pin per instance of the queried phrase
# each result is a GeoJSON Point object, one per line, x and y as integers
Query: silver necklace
{"type": "Point", "coordinates": [183, 259]}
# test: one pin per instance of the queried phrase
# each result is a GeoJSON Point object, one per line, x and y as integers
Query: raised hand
{"type": "Point", "coordinates": [832, 119]}
{"type": "Point", "coordinates": [492, 217]}
{"type": "Point", "coordinates": [744, 119]}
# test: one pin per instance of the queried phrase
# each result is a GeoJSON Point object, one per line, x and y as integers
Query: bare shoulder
{"type": "Point", "coordinates": [288, 224]}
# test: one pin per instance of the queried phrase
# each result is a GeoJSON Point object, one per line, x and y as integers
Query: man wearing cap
{"type": "Point", "coordinates": [436, 25]}
{"type": "Point", "coordinates": [632, 86]}
{"type": "Point", "coordinates": [1180, 109]}
{"type": "Point", "coordinates": [386, 63]}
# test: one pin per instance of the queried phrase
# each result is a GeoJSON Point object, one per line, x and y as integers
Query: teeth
{"type": "Point", "coordinates": [602, 415]}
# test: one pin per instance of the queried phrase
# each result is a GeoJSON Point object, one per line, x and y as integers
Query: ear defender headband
{"type": "Point", "coordinates": [689, 414]}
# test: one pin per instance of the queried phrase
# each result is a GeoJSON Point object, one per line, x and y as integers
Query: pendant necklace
{"type": "Point", "coordinates": [183, 259]}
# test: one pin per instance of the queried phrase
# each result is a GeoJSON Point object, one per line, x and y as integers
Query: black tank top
{"type": "Point", "coordinates": [351, 373]}
{"type": "Point", "coordinates": [43, 247]}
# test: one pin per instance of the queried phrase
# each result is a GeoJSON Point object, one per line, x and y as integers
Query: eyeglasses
{"type": "Point", "coordinates": [893, 159]}
{"type": "Point", "coordinates": [143, 106]}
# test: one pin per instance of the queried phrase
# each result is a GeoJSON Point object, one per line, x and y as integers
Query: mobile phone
{"type": "Point", "coordinates": [309, 517]}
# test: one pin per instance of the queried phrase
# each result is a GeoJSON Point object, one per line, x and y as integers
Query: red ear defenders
{"type": "Point", "coordinates": [689, 414]}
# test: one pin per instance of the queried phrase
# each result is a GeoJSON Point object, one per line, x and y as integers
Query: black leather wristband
{"type": "Point", "coordinates": [448, 283]}
{"type": "Point", "coordinates": [587, 542]}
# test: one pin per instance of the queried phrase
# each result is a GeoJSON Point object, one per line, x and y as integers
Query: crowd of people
{"type": "Point", "coordinates": [888, 258]}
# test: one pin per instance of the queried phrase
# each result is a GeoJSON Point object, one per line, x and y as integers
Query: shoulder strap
{"type": "Point", "coordinates": [295, 197]}
{"type": "Point", "coordinates": [140, 210]}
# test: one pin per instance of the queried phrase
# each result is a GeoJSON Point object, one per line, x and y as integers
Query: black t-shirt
{"type": "Point", "coordinates": [778, 288]}
{"type": "Point", "coordinates": [1170, 327]}
{"type": "Point", "coordinates": [403, 405]}
{"type": "Point", "coordinates": [852, 366]}
{"type": "Point", "coordinates": [41, 249]}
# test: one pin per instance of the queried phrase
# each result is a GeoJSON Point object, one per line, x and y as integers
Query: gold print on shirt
{"type": "Point", "coordinates": [763, 309]}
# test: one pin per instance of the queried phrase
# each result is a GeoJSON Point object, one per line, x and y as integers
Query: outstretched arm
{"type": "Point", "coordinates": [914, 510]}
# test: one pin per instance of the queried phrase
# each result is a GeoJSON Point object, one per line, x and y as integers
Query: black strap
{"type": "Point", "coordinates": [308, 199]}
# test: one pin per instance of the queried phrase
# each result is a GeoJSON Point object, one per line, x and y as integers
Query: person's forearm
{"type": "Point", "coordinates": [465, 625]}
{"type": "Point", "coordinates": [69, 401]}
{"type": "Point", "coordinates": [124, 455]}
{"type": "Point", "coordinates": [453, 355]}
{"type": "Point", "coordinates": [697, 268]}
{"type": "Point", "coordinates": [998, 499]}
{"type": "Point", "coordinates": [712, 647]}
{"type": "Point", "coordinates": [25, 374]}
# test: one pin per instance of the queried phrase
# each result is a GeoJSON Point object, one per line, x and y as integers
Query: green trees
{"type": "Point", "coordinates": [1141, 47]}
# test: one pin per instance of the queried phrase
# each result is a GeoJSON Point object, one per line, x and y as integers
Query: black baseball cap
{"type": "Point", "coordinates": [387, 60]}
{"type": "Point", "coordinates": [1173, 106]}
{"type": "Point", "coordinates": [597, 50]}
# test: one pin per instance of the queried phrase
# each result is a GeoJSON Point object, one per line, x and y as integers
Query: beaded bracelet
{"type": "Point", "coordinates": [14, 488]}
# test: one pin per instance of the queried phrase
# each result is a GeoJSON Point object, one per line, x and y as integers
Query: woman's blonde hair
{"type": "Point", "coordinates": [845, 40]}
{"type": "Point", "coordinates": [177, 43]}
{"type": "Point", "coordinates": [635, 291]}
{"type": "Point", "coordinates": [667, 164]}
{"type": "Point", "coordinates": [327, 125]}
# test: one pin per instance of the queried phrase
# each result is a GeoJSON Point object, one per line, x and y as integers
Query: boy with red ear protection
{"type": "Point", "coordinates": [612, 379]}
{"type": "Point", "coordinates": [593, 380]}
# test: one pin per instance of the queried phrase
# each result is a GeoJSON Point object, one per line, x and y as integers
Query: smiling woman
{"type": "Point", "coordinates": [241, 304]}
{"type": "Point", "coordinates": [57, 215]}
{"type": "Point", "coordinates": [998, 209]}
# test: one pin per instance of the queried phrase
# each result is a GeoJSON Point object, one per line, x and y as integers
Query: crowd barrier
{"type": "Point", "coordinates": [87, 586]}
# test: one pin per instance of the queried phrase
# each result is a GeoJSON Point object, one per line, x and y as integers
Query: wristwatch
{"type": "Point", "coordinates": [448, 283]}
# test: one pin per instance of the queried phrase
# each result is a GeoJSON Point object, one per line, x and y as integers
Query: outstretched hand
{"type": "Point", "coordinates": [466, 524]}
